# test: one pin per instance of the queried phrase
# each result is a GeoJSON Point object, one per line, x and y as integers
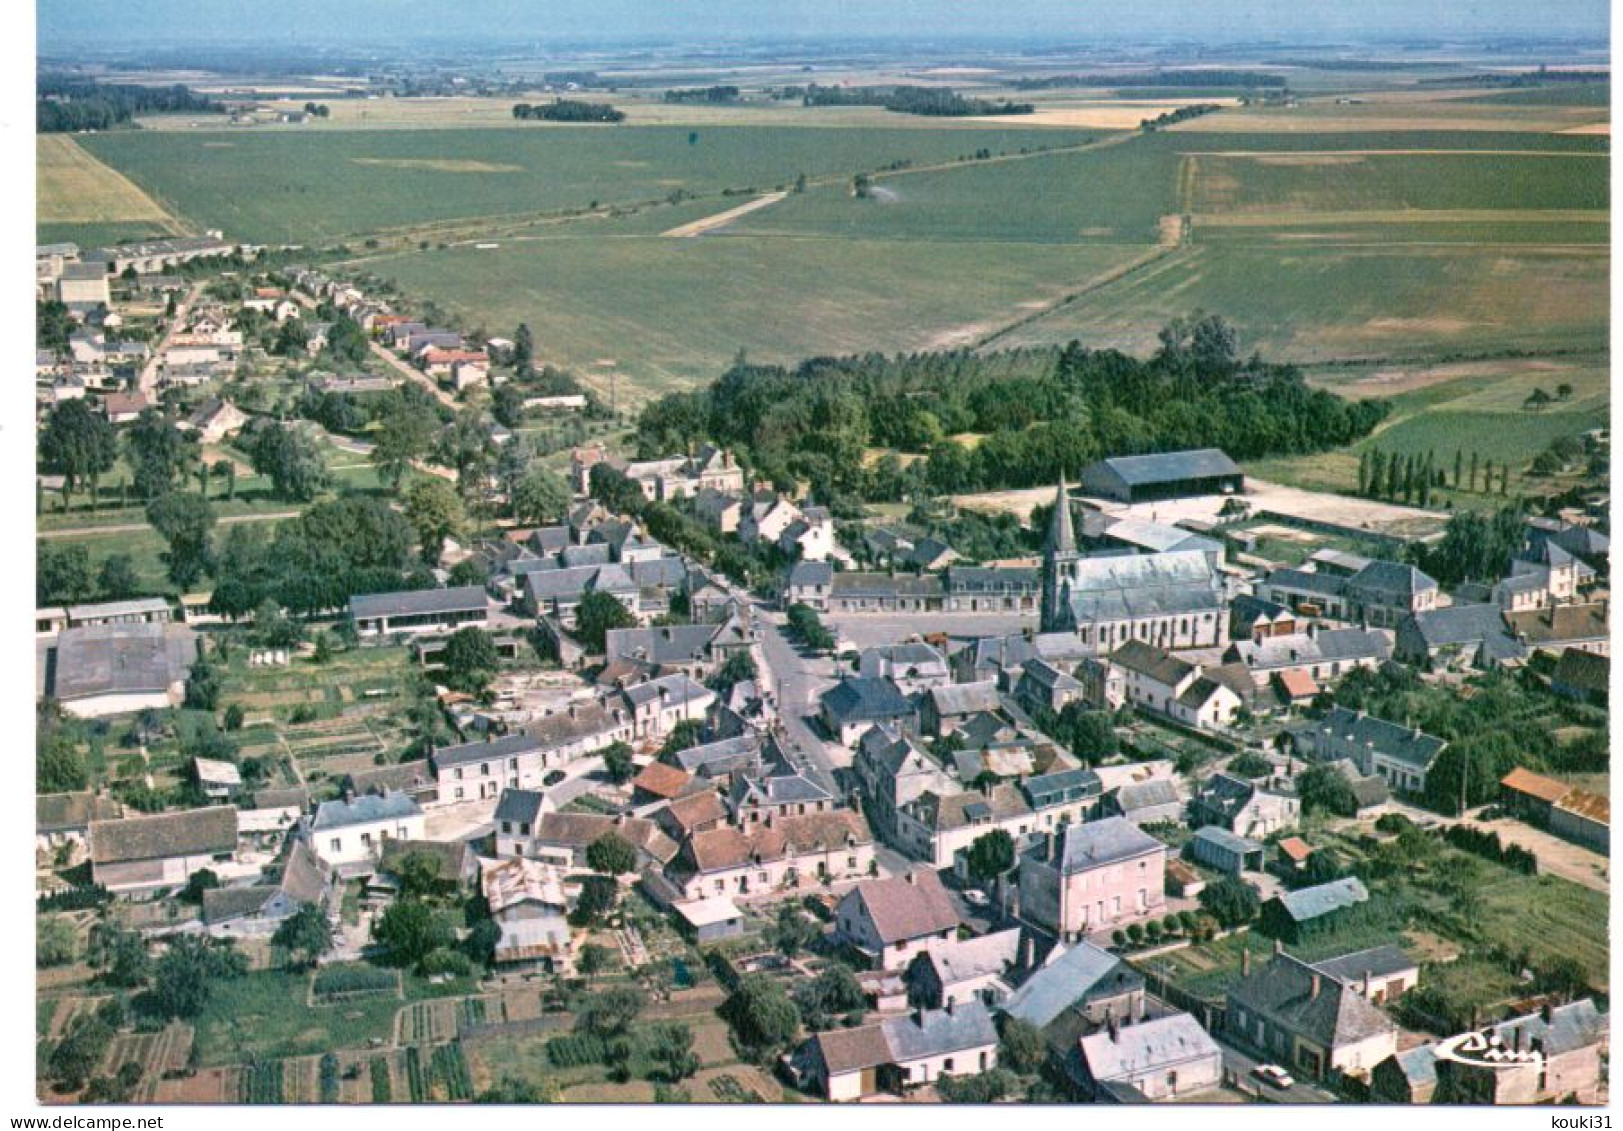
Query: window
{"type": "Point", "coordinates": [337, 844]}
{"type": "Point", "coordinates": [507, 826]}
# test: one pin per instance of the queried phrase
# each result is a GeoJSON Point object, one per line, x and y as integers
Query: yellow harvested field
{"type": "Point", "coordinates": [1106, 114]}
{"type": "Point", "coordinates": [1601, 128]}
{"type": "Point", "coordinates": [72, 187]}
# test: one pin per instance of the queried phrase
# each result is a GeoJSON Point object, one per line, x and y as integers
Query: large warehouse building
{"type": "Point", "coordinates": [1168, 475]}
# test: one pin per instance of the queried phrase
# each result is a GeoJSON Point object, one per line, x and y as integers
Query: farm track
{"type": "Point", "coordinates": [138, 527]}
{"type": "Point", "coordinates": [721, 219]}
{"type": "Point", "coordinates": [1117, 274]}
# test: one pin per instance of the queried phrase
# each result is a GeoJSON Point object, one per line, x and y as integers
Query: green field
{"type": "Point", "coordinates": [668, 312]}
{"type": "Point", "coordinates": [1317, 304]}
{"type": "Point", "coordinates": [303, 187]}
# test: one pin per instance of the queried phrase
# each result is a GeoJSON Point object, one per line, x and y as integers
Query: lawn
{"type": "Point", "coordinates": [316, 186]}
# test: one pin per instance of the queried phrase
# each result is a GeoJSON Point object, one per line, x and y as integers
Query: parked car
{"type": "Point", "coordinates": [1274, 1075]}
{"type": "Point", "coordinates": [976, 898]}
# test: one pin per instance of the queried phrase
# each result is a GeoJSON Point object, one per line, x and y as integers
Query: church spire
{"type": "Point", "coordinates": [1061, 537]}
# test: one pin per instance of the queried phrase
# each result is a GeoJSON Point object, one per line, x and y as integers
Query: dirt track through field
{"type": "Point", "coordinates": [721, 219]}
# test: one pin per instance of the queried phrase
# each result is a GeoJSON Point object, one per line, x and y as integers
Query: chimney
{"type": "Point", "coordinates": [1516, 1039]}
{"type": "Point", "coordinates": [1245, 963]}
{"type": "Point", "coordinates": [1316, 985]}
{"type": "Point", "coordinates": [1028, 953]}
{"type": "Point", "coordinates": [949, 1006]}
{"type": "Point", "coordinates": [910, 876]}
{"type": "Point", "coordinates": [1279, 947]}
{"type": "Point", "coordinates": [1366, 983]}
{"type": "Point", "coordinates": [918, 1017]}
{"type": "Point", "coordinates": [1111, 1026]}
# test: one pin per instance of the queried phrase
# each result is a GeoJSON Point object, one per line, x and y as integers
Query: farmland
{"type": "Point", "coordinates": [671, 312]}
{"type": "Point", "coordinates": [280, 186]}
{"type": "Point", "coordinates": [82, 200]}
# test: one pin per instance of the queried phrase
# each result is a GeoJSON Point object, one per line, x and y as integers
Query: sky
{"type": "Point", "coordinates": [63, 23]}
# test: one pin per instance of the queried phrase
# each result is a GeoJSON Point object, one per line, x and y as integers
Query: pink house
{"type": "Point", "coordinates": [1094, 876]}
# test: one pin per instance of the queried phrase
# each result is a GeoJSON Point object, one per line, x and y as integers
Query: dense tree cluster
{"type": "Point", "coordinates": [313, 563]}
{"type": "Point", "coordinates": [1039, 411]}
{"type": "Point", "coordinates": [712, 94]}
{"type": "Point", "coordinates": [67, 105]}
{"type": "Point", "coordinates": [1474, 547]}
{"type": "Point", "coordinates": [930, 101]}
{"type": "Point", "coordinates": [1181, 114]}
{"type": "Point", "coordinates": [568, 110]}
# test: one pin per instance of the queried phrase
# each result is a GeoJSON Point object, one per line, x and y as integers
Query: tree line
{"type": "Point", "coordinates": [68, 105]}
{"type": "Point", "coordinates": [568, 110]}
{"type": "Point", "coordinates": [703, 94]}
{"type": "Point", "coordinates": [1036, 412]}
{"type": "Point", "coordinates": [1249, 80]}
{"type": "Point", "coordinates": [929, 101]}
{"type": "Point", "coordinates": [1412, 477]}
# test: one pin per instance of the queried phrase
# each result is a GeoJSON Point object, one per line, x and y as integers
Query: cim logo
{"type": "Point", "coordinates": [1489, 1050]}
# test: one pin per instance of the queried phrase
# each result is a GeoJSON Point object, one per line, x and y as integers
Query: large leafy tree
{"type": "Point", "coordinates": [160, 454]}
{"type": "Point", "coordinates": [182, 980]}
{"type": "Point", "coordinates": [611, 854]}
{"type": "Point", "coordinates": [540, 496]}
{"type": "Point", "coordinates": [290, 459]}
{"type": "Point", "coordinates": [405, 434]}
{"type": "Point", "coordinates": [305, 935]}
{"type": "Point", "coordinates": [78, 444]}
{"type": "Point", "coordinates": [991, 855]}
{"type": "Point", "coordinates": [470, 660]}
{"type": "Point", "coordinates": [184, 521]}
{"type": "Point", "coordinates": [762, 1014]}
{"type": "Point", "coordinates": [411, 930]}
{"type": "Point", "coordinates": [596, 614]}
{"type": "Point", "coordinates": [434, 510]}
{"type": "Point", "coordinates": [62, 574]}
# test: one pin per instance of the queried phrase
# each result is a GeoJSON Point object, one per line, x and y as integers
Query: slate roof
{"type": "Point", "coordinates": [1128, 586]}
{"type": "Point", "coordinates": [1412, 747]}
{"type": "Point", "coordinates": [1305, 904]}
{"type": "Point", "coordinates": [1060, 786]}
{"type": "Point", "coordinates": [1133, 1050]}
{"type": "Point", "coordinates": [1048, 677]}
{"type": "Point", "coordinates": [467, 753]}
{"type": "Point", "coordinates": [194, 832]}
{"type": "Point", "coordinates": [418, 602]}
{"type": "Point", "coordinates": [902, 910]}
{"type": "Point", "coordinates": [668, 644]}
{"type": "Point", "coordinates": [1103, 842]}
{"type": "Point", "coordinates": [1377, 962]}
{"type": "Point", "coordinates": [1147, 795]}
{"type": "Point", "coordinates": [717, 759]}
{"type": "Point", "coordinates": [1392, 580]}
{"type": "Point", "coordinates": [939, 1032]}
{"type": "Point", "coordinates": [1464, 624]}
{"type": "Point", "coordinates": [811, 574]}
{"type": "Point", "coordinates": [883, 585]}
{"type": "Point", "coordinates": [1337, 1016]}
{"type": "Point", "coordinates": [1328, 646]}
{"type": "Point", "coordinates": [363, 810]}
{"type": "Point", "coordinates": [1169, 467]}
{"type": "Point", "coordinates": [121, 659]}
{"type": "Point", "coordinates": [1227, 841]}
{"type": "Point", "coordinates": [965, 698]}
{"type": "Point", "coordinates": [520, 805]}
{"type": "Point", "coordinates": [862, 699]}
{"type": "Point", "coordinates": [776, 789]}
{"type": "Point", "coordinates": [965, 959]}
{"type": "Point", "coordinates": [1069, 978]}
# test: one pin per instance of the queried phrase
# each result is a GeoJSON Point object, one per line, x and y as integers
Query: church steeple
{"type": "Point", "coordinates": [1061, 543]}
{"type": "Point", "coordinates": [1061, 537]}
